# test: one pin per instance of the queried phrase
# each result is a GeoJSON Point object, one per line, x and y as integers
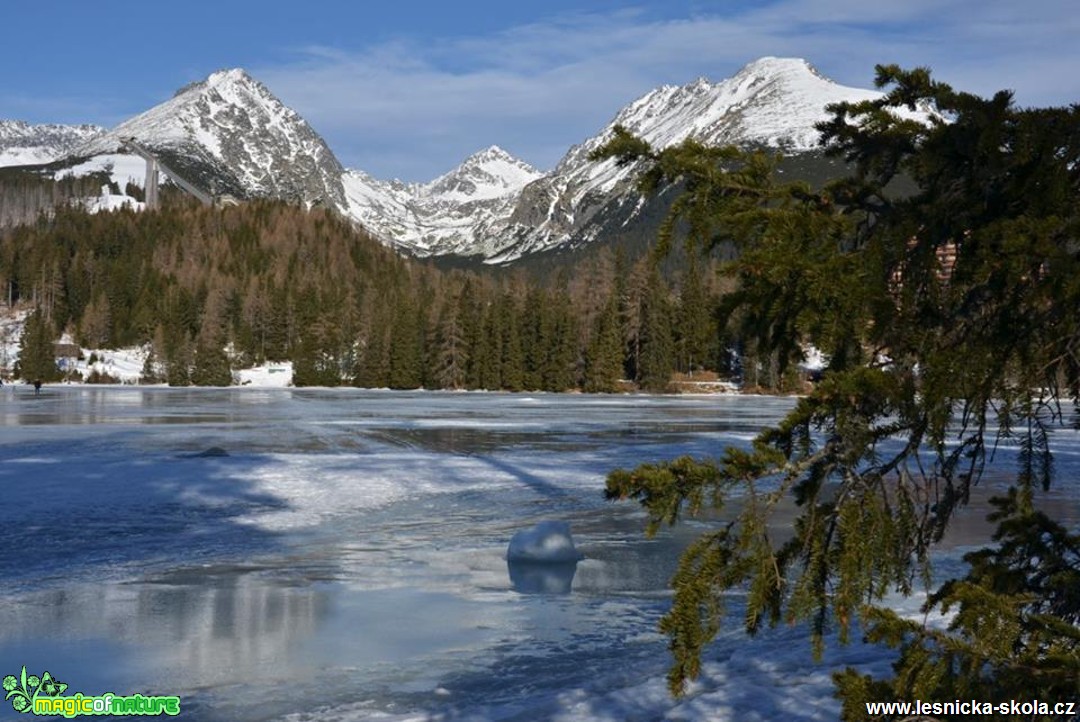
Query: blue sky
{"type": "Point", "coordinates": [408, 89]}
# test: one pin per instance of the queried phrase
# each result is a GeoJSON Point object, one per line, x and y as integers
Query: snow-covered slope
{"type": "Point", "coordinates": [229, 131]}
{"type": "Point", "coordinates": [24, 144]}
{"type": "Point", "coordinates": [453, 214]}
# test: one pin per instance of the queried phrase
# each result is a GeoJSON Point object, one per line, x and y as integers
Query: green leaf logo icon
{"type": "Point", "coordinates": [21, 691]}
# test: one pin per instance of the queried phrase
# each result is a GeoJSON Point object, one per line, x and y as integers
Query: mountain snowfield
{"type": "Point", "coordinates": [230, 134]}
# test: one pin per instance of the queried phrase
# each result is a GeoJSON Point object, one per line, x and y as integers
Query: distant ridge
{"type": "Point", "coordinates": [22, 143]}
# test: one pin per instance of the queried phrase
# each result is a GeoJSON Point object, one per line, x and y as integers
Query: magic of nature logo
{"type": "Point", "coordinates": [44, 695]}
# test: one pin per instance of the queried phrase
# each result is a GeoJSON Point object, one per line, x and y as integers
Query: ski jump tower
{"type": "Point", "coordinates": [154, 167]}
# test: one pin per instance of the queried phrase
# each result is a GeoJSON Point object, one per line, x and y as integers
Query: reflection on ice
{"type": "Point", "coordinates": [541, 577]}
{"type": "Point", "coordinates": [192, 628]}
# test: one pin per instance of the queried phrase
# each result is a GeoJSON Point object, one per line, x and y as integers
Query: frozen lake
{"type": "Point", "coordinates": [346, 559]}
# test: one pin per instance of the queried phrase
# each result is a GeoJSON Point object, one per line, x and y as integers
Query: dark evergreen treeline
{"type": "Point", "coordinates": [210, 290]}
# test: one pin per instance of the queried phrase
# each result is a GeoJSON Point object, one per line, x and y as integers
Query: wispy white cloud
{"type": "Point", "coordinates": [413, 109]}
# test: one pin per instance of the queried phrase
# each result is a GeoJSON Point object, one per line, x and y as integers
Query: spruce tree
{"type": "Point", "coordinates": [535, 337]}
{"type": "Point", "coordinates": [559, 345]}
{"type": "Point", "coordinates": [1013, 633]}
{"type": "Point", "coordinates": [512, 367]}
{"type": "Point", "coordinates": [373, 361]}
{"type": "Point", "coordinates": [407, 346]}
{"type": "Point", "coordinates": [947, 310]}
{"type": "Point", "coordinates": [693, 320]}
{"type": "Point", "coordinates": [451, 353]}
{"type": "Point", "coordinates": [484, 351]}
{"type": "Point", "coordinates": [314, 363]}
{"type": "Point", "coordinates": [656, 359]}
{"type": "Point", "coordinates": [603, 356]}
{"type": "Point", "coordinates": [210, 365]}
{"type": "Point", "coordinates": [154, 366]}
{"type": "Point", "coordinates": [276, 335]}
{"type": "Point", "coordinates": [179, 359]}
{"type": "Point", "coordinates": [37, 356]}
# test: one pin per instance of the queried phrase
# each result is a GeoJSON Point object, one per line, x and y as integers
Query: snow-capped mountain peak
{"type": "Point", "coordinates": [233, 131]}
{"type": "Point", "coordinates": [487, 174]}
{"type": "Point", "coordinates": [492, 152]}
{"type": "Point", "coordinates": [233, 76]}
{"type": "Point", "coordinates": [771, 66]}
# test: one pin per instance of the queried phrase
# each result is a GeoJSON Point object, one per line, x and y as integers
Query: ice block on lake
{"type": "Point", "coordinates": [547, 542]}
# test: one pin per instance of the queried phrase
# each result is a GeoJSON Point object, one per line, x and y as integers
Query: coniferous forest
{"type": "Point", "coordinates": [207, 291]}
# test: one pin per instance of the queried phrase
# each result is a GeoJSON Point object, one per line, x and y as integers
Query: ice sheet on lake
{"type": "Point", "coordinates": [347, 559]}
